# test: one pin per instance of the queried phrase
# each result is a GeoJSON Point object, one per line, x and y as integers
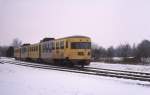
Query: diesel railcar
{"type": "Point", "coordinates": [73, 50]}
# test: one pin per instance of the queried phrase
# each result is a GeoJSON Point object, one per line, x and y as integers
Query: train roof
{"type": "Point", "coordinates": [77, 36]}
{"type": "Point", "coordinates": [47, 39]}
{"type": "Point", "coordinates": [27, 44]}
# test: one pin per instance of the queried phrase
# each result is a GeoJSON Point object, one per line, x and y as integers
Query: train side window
{"type": "Point", "coordinates": [66, 44]}
{"type": "Point", "coordinates": [62, 44]}
{"type": "Point", "coordinates": [57, 45]}
{"type": "Point", "coordinates": [52, 45]}
{"type": "Point", "coordinates": [43, 47]}
{"type": "Point", "coordinates": [47, 47]}
{"type": "Point", "coordinates": [37, 48]}
{"type": "Point", "coordinates": [33, 49]}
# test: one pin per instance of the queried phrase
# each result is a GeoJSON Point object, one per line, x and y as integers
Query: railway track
{"type": "Point", "coordinates": [87, 70]}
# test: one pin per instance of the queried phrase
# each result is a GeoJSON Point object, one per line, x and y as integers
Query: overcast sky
{"type": "Point", "coordinates": [107, 22]}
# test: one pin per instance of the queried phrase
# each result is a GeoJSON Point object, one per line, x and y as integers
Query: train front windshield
{"type": "Point", "coordinates": [80, 45]}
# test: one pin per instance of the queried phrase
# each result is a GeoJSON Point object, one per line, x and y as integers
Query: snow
{"type": "Point", "coordinates": [21, 80]}
{"type": "Point", "coordinates": [126, 67]}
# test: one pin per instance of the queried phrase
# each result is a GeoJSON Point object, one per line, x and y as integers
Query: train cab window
{"type": "Point", "coordinates": [80, 45]}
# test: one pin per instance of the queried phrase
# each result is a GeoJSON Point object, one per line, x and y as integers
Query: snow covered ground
{"type": "Point", "coordinates": [21, 80]}
{"type": "Point", "coordinates": [127, 67]}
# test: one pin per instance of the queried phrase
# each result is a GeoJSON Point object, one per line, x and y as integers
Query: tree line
{"type": "Point", "coordinates": [136, 52]}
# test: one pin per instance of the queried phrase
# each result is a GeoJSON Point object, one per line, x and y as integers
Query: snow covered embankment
{"type": "Point", "coordinates": [20, 80]}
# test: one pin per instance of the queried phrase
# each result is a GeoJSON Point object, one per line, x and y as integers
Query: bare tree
{"type": "Point", "coordinates": [110, 52]}
{"type": "Point", "coordinates": [98, 51]}
{"type": "Point", "coordinates": [16, 43]}
{"type": "Point", "coordinates": [123, 50]}
{"type": "Point", "coordinates": [143, 49]}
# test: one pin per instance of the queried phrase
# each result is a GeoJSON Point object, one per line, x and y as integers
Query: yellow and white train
{"type": "Point", "coordinates": [73, 50]}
